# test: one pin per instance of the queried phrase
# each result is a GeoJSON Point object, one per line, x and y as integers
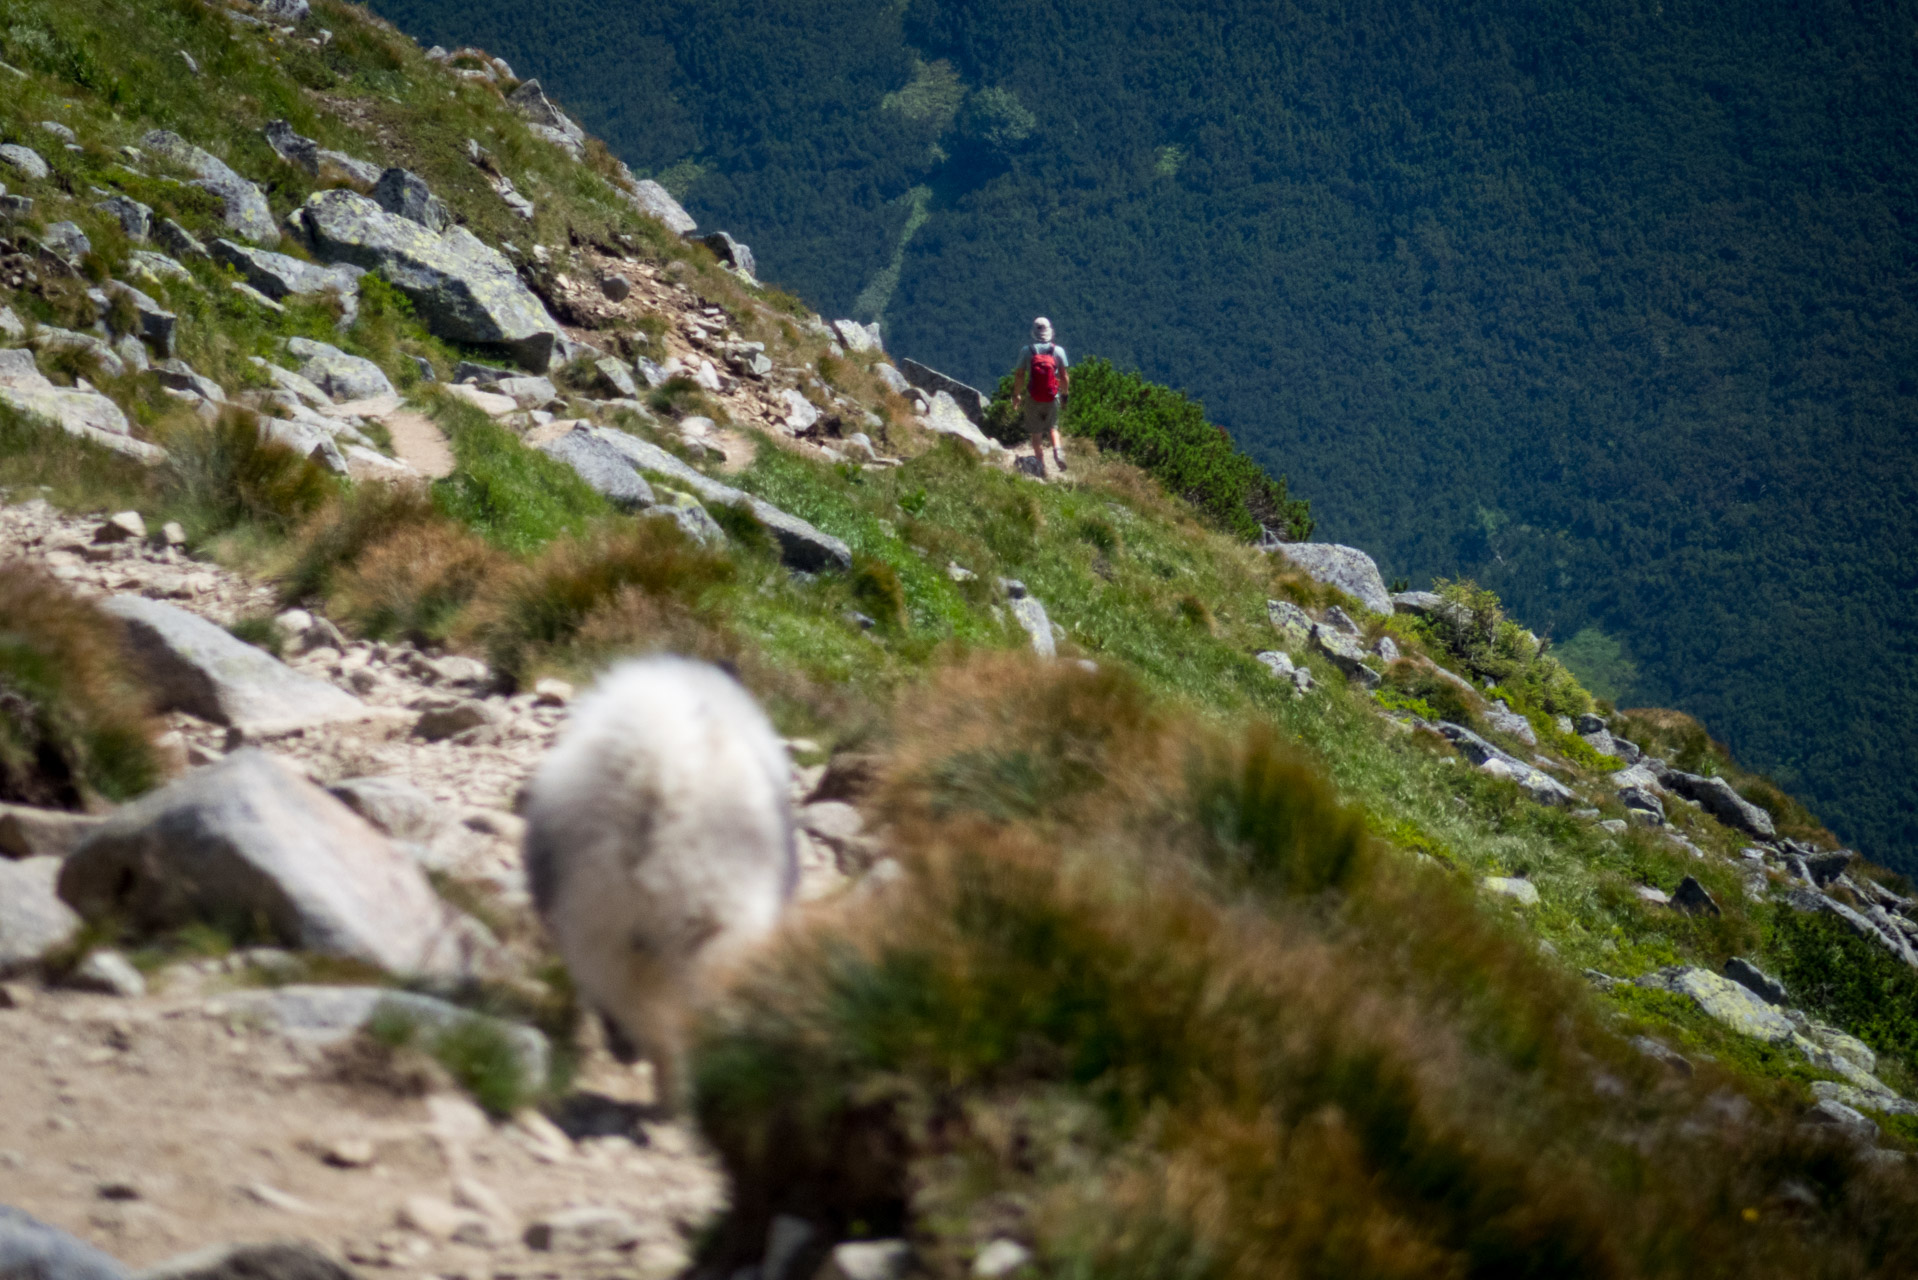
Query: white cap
{"type": "Point", "coordinates": [1042, 329]}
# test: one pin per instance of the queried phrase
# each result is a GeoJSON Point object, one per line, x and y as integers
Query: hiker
{"type": "Point", "coordinates": [1042, 383]}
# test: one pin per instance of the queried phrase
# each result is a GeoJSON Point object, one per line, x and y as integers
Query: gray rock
{"type": "Point", "coordinates": [436, 724]}
{"type": "Point", "coordinates": [1589, 723]}
{"type": "Point", "coordinates": [247, 212]}
{"type": "Point", "coordinates": [1000, 1258]}
{"type": "Point", "coordinates": [462, 289]}
{"type": "Point", "coordinates": [341, 376]}
{"type": "Point", "coordinates": [1506, 720]}
{"type": "Point", "coordinates": [895, 380]}
{"type": "Point", "coordinates": [1727, 1001]}
{"type": "Point", "coordinates": [1347, 568]}
{"type": "Point", "coordinates": [12, 328]}
{"type": "Point", "coordinates": [865, 337]}
{"type": "Point", "coordinates": [801, 545]}
{"type": "Point", "coordinates": [1692, 898]}
{"type": "Point", "coordinates": [730, 252]}
{"type": "Point", "coordinates": [1423, 604]}
{"type": "Point", "coordinates": [290, 12]}
{"type": "Point", "coordinates": [1279, 664]}
{"type": "Point", "coordinates": [14, 208]}
{"type": "Point", "coordinates": [693, 519]}
{"type": "Point", "coordinates": [330, 1015]}
{"type": "Point", "coordinates": [1829, 1111]}
{"type": "Point", "coordinates": [157, 324]}
{"type": "Point", "coordinates": [1292, 623]}
{"type": "Point", "coordinates": [278, 276]}
{"type": "Point", "coordinates": [483, 376]}
{"type": "Point", "coordinates": [29, 832]}
{"type": "Point", "coordinates": [394, 806]}
{"type": "Point", "coordinates": [32, 1250]}
{"type": "Point", "coordinates": [867, 1260]}
{"type": "Point", "coordinates": [1341, 621]}
{"type": "Point", "coordinates": [1536, 783]}
{"type": "Point", "coordinates": [67, 241]}
{"type": "Point", "coordinates": [406, 195]}
{"type": "Point", "coordinates": [1717, 798]}
{"type": "Point", "coordinates": [1387, 649]}
{"type": "Point", "coordinates": [546, 119]}
{"type": "Point", "coordinates": [86, 414]}
{"type": "Point", "coordinates": [33, 919]}
{"type": "Point", "coordinates": [291, 147]}
{"type": "Point", "coordinates": [124, 526]}
{"type": "Point", "coordinates": [177, 240]}
{"type": "Point", "coordinates": [971, 400]}
{"type": "Point", "coordinates": [24, 160]}
{"type": "Point", "coordinates": [944, 416]}
{"type": "Point", "coordinates": [59, 131]}
{"type": "Point", "coordinates": [1641, 800]}
{"type": "Point", "coordinates": [248, 840]}
{"type": "Point", "coordinates": [604, 468]}
{"type": "Point", "coordinates": [194, 666]}
{"type": "Point", "coordinates": [615, 287]}
{"type": "Point", "coordinates": [134, 218]}
{"type": "Point", "coordinates": [108, 973]}
{"type": "Point", "coordinates": [1345, 653]}
{"type": "Point", "coordinates": [616, 377]}
{"type": "Point", "coordinates": [529, 392]}
{"type": "Point", "coordinates": [1521, 891]}
{"type": "Point", "coordinates": [1757, 981]}
{"type": "Point", "coordinates": [1662, 1053]}
{"type": "Point", "coordinates": [1030, 614]}
{"type": "Point", "coordinates": [362, 172]}
{"type": "Point", "coordinates": [588, 1229]}
{"type": "Point", "coordinates": [1823, 868]}
{"type": "Point", "coordinates": [277, 1260]}
{"type": "Point", "coordinates": [657, 202]}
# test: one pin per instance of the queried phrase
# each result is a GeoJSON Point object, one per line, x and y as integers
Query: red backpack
{"type": "Point", "coordinates": [1043, 383]}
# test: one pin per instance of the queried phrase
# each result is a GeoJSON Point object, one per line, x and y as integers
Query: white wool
{"type": "Point", "coordinates": [659, 843]}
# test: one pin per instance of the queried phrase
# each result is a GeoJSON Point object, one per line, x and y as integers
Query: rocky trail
{"type": "Point", "coordinates": [190, 1109]}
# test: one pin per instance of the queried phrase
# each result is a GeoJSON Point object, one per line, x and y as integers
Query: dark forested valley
{"type": "Point", "coordinates": [1610, 304]}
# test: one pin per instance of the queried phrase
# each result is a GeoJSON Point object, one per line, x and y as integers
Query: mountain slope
{"type": "Point", "coordinates": [1609, 305]}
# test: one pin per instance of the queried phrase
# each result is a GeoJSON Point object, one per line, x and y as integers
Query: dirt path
{"type": "Point", "coordinates": [418, 442]}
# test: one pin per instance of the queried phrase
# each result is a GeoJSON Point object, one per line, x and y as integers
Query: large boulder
{"type": "Point", "coordinates": [194, 666]}
{"type": "Point", "coordinates": [948, 419]}
{"type": "Point", "coordinates": [730, 251]}
{"type": "Point", "coordinates": [1716, 797]}
{"type": "Point", "coordinates": [1347, 568]}
{"type": "Point", "coordinates": [801, 546]}
{"type": "Point", "coordinates": [32, 1250]}
{"type": "Point", "coordinates": [865, 337]}
{"type": "Point", "coordinates": [33, 920]}
{"type": "Point", "coordinates": [1291, 622]}
{"type": "Point", "coordinates": [654, 200]}
{"type": "Point", "coordinates": [247, 213]}
{"type": "Point", "coordinates": [86, 414]}
{"type": "Point", "coordinates": [604, 468]}
{"type": "Point", "coordinates": [340, 375]}
{"type": "Point", "coordinates": [462, 289]}
{"type": "Point", "coordinates": [278, 276]}
{"type": "Point", "coordinates": [247, 842]}
{"type": "Point", "coordinates": [971, 400]}
{"type": "Point", "coordinates": [1729, 1002]}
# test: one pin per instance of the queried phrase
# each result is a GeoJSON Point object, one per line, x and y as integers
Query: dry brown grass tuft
{"type": "Point", "coordinates": [416, 579]}
{"type": "Point", "coordinates": [74, 720]}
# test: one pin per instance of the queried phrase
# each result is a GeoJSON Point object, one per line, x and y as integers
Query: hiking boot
{"type": "Point", "coordinates": [1059, 459]}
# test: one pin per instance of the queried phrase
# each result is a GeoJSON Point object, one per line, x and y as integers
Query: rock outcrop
{"type": "Point", "coordinates": [971, 400]}
{"type": "Point", "coordinates": [247, 212]}
{"type": "Point", "coordinates": [463, 289]}
{"type": "Point", "coordinates": [1347, 568]}
{"type": "Point", "coordinates": [77, 411]}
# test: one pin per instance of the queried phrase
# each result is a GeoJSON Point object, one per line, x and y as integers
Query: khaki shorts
{"type": "Point", "coordinates": [1042, 418]}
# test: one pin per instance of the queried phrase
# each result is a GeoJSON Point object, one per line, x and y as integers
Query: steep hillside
{"type": "Point", "coordinates": [1604, 304]}
{"type": "Point", "coordinates": [1164, 903]}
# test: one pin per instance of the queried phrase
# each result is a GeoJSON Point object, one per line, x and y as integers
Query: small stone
{"type": "Point", "coordinates": [108, 973]}
{"type": "Point", "coordinates": [117, 1189]}
{"type": "Point", "coordinates": [349, 1153]}
{"type": "Point", "coordinates": [121, 527]}
{"type": "Point", "coordinates": [1001, 1257]}
{"type": "Point", "coordinates": [583, 1230]}
{"type": "Point", "coordinates": [172, 534]}
{"type": "Point", "coordinates": [441, 723]}
{"type": "Point", "coordinates": [274, 1198]}
{"type": "Point", "coordinates": [867, 1259]}
{"type": "Point", "coordinates": [617, 288]}
{"type": "Point", "coordinates": [1521, 891]}
{"type": "Point", "coordinates": [551, 692]}
{"type": "Point", "coordinates": [1656, 897]}
{"type": "Point", "coordinates": [433, 1217]}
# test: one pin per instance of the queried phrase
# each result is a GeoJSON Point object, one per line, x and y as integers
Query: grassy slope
{"type": "Point", "coordinates": [512, 556]}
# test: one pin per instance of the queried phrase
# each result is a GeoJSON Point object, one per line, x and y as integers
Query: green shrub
{"type": "Point", "coordinates": [1165, 433]}
{"type": "Point", "coordinates": [74, 724]}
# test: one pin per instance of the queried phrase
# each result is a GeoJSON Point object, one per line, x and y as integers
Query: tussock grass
{"type": "Point", "coordinates": [225, 475]}
{"type": "Point", "coordinates": [74, 723]}
{"type": "Point", "coordinates": [1189, 1021]}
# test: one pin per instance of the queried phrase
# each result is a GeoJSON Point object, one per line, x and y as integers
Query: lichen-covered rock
{"type": "Point", "coordinates": [1347, 568]}
{"type": "Point", "coordinates": [1346, 654]}
{"type": "Point", "coordinates": [134, 218]}
{"type": "Point", "coordinates": [86, 414]}
{"type": "Point", "coordinates": [406, 195]}
{"type": "Point", "coordinates": [462, 289]}
{"type": "Point", "coordinates": [247, 212]}
{"type": "Point", "coordinates": [279, 276]}
{"type": "Point", "coordinates": [340, 375]}
{"type": "Point", "coordinates": [1729, 1002]}
{"type": "Point", "coordinates": [1293, 624]}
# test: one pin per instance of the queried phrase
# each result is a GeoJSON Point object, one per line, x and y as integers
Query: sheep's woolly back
{"type": "Point", "coordinates": [659, 833]}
